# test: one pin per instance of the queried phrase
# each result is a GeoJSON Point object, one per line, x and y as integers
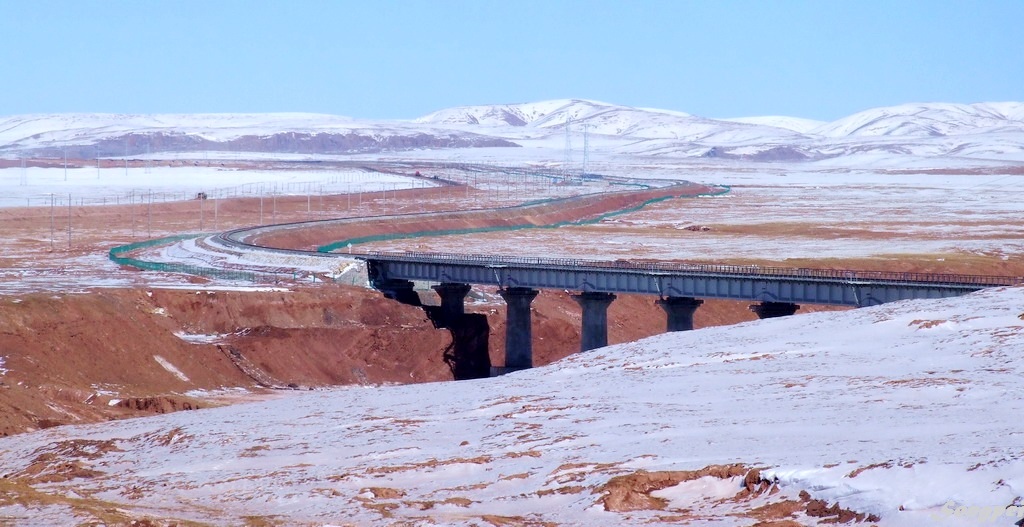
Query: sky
{"type": "Point", "coordinates": [403, 59]}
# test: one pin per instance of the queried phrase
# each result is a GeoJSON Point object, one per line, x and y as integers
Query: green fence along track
{"type": "Point", "coordinates": [117, 256]}
{"type": "Point", "coordinates": [331, 247]}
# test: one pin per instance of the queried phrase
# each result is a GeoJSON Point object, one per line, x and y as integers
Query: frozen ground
{"type": "Point", "coordinates": [803, 398]}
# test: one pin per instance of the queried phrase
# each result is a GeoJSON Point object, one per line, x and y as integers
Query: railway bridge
{"type": "Point", "coordinates": [680, 288]}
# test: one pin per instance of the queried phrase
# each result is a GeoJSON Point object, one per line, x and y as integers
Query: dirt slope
{"type": "Point", "coordinates": [69, 356]}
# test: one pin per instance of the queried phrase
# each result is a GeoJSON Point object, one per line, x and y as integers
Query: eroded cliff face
{"type": "Point", "coordinates": [116, 353]}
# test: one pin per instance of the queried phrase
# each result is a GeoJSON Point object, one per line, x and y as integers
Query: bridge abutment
{"type": "Point", "coordinates": [679, 312]}
{"type": "Point", "coordinates": [594, 333]}
{"type": "Point", "coordinates": [773, 309]}
{"type": "Point", "coordinates": [518, 329]}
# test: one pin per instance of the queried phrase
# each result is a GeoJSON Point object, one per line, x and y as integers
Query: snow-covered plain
{"type": "Point", "coordinates": [906, 411]}
{"type": "Point", "coordinates": [34, 186]}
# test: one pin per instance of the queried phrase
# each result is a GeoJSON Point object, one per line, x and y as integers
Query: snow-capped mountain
{"type": "Point", "coordinates": [600, 118]}
{"type": "Point", "coordinates": [983, 132]}
{"type": "Point", "coordinates": [502, 114]}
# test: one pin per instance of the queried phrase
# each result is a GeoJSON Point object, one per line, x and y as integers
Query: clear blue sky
{"type": "Point", "coordinates": [820, 59]}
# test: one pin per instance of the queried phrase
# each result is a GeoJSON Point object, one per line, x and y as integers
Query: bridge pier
{"type": "Point", "coordinates": [594, 333]}
{"type": "Point", "coordinates": [518, 329]}
{"type": "Point", "coordinates": [453, 297]}
{"type": "Point", "coordinates": [774, 309]}
{"type": "Point", "coordinates": [679, 312]}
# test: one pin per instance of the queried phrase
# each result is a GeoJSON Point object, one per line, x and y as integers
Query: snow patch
{"type": "Point", "coordinates": [199, 338]}
{"type": "Point", "coordinates": [707, 488]}
{"type": "Point", "coordinates": [170, 367]}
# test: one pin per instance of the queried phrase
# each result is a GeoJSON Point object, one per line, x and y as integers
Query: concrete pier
{"type": "Point", "coordinates": [453, 297]}
{"type": "Point", "coordinates": [679, 312]}
{"type": "Point", "coordinates": [774, 309]}
{"type": "Point", "coordinates": [594, 333]}
{"type": "Point", "coordinates": [518, 329]}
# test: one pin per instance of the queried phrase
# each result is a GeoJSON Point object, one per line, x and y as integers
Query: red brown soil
{"type": "Point", "coordinates": [68, 356]}
{"type": "Point", "coordinates": [632, 492]}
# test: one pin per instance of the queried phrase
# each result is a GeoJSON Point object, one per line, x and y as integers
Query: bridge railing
{"type": "Point", "coordinates": [699, 268]}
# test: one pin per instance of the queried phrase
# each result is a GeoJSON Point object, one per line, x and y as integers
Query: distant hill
{"type": "Point", "coordinates": [89, 135]}
{"type": "Point", "coordinates": [928, 120]}
{"type": "Point", "coordinates": [980, 132]}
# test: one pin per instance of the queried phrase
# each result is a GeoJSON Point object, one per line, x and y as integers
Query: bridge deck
{"type": "Point", "coordinates": [776, 284]}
